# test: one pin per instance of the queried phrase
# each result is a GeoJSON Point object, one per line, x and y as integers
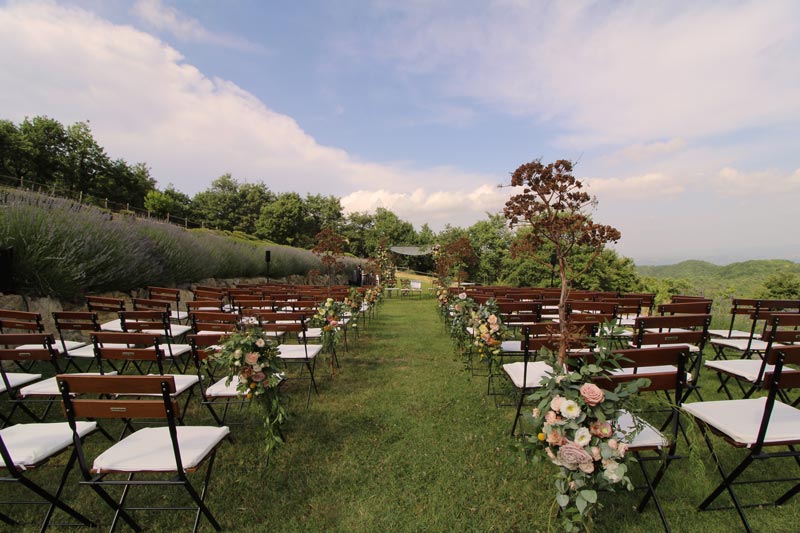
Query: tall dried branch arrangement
{"type": "Point", "coordinates": [555, 206]}
{"type": "Point", "coordinates": [329, 248]}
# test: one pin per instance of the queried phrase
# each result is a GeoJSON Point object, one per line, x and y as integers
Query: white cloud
{"type": "Point", "coordinates": [648, 186]}
{"type": "Point", "coordinates": [165, 18]}
{"type": "Point", "coordinates": [646, 151]}
{"type": "Point", "coordinates": [437, 208]}
{"type": "Point", "coordinates": [145, 103]}
{"type": "Point", "coordinates": [732, 182]}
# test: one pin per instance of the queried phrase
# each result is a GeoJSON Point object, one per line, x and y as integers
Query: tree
{"type": "Point", "coordinates": [168, 203]}
{"type": "Point", "coordinates": [231, 206]}
{"type": "Point", "coordinates": [491, 240]}
{"type": "Point", "coordinates": [454, 259]}
{"type": "Point", "coordinates": [554, 205]}
{"type": "Point", "coordinates": [782, 286]}
{"type": "Point", "coordinates": [322, 212]}
{"type": "Point", "coordinates": [283, 221]}
{"type": "Point", "coordinates": [356, 230]}
{"type": "Point", "coordinates": [42, 157]}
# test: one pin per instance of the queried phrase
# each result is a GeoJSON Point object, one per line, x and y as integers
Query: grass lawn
{"type": "Point", "coordinates": [403, 439]}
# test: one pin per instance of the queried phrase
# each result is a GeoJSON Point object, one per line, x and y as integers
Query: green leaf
{"type": "Point", "coordinates": [562, 500]}
{"type": "Point", "coordinates": [589, 495]}
{"type": "Point", "coordinates": [581, 504]}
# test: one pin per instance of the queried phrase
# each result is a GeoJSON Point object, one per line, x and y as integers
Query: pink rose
{"type": "Point", "coordinates": [612, 443]}
{"type": "Point", "coordinates": [550, 417]}
{"type": "Point", "coordinates": [592, 394]}
{"type": "Point", "coordinates": [554, 438]}
{"type": "Point", "coordinates": [601, 429]}
{"type": "Point", "coordinates": [586, 468]}
{"type": "Point", "coordinates": [572, 456]}
{"type": "Point", "coordinates": [492, 319]}
{"type": "Point", "coordinates": [595, 451]}
{"type": "Point", "coordinates": [251, 358]}
{"type": "Point", "coordinates": [259, 377]}
{"type": "Point", "coordinates": [555, 403]}
{"type": "Point", "coordinates": [622, 448]}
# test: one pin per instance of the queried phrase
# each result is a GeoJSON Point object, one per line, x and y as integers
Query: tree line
{"type": "Point", "coordinates": [68, 159]}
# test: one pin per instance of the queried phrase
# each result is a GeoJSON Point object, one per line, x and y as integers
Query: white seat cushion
{"type": "Point", "coordinates": [647, 438]}
{"type": "Point", "coordinates": [298, 351]}
{"type": "Point", "coordinates": [17, 379]}
{"type": "Point", "coordinates": [88, 350]}
{"type": "Point", "coordinates": [178, 315]}
{"type": "Point", "coordinates": [29, 444]}
{"type": "Point", "coordinates": [49, 386]}
{"type": "Point", "coordinates": [729, 334]}
{"type": "Point", "coordinates": [511, 346]}
{"type": "Point", "coordinates": [58, 346]}
{"type": "Point", "coordinates": [747, 369]}
{"type": "Point", "coordinates": [182, 383]}
{"type": "Point", "coordinates": [113, 325]}
{"type": "Point", "coordinates": [150, 449]}
{"type": "Point", "coordinates": [220, 390]}
{"type": "Point", "coordinates": [533, 378]}
{"type": "Point", "coordinates": [756, 345]}
{"type": "Point", "coordinates": [176, 349]}
{"type": "Point", "coordinates": [311, 333]}
{"type": "Point", "coordinates": [741, 419]}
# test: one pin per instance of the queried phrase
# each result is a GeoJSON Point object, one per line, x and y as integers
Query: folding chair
{"type": "Point", "coordinates": [213, 322]}
{"type": "Point", "coordinates": [755, 425]}
{"type": "Point", "coordinates": [644, 440]}
{"type": "Point", "coordinates": [151, 451]}
{"type": "Point", "coordinates": [142, 351]}
{"type": "Point", "coordinates": [158, 323]}
{"type": "Point", "coordinates": [749, 372]}
{"type": "Point", "coordinates": [526, 375]}
{"type": "Point", "coordinates": [169, 295]}
{"type": "Point", "coordinates": [76, 323]}
{"type": "Point", "coordinates": [752, 345]}
{"type": "Point", "coordinates": [303, 354]}
{"type": "Point", "coordinates": [39, 349]}
{"type": "Point", "coordinates": [20, 321]}
{"type": "Point", "coordinates": [739, 306]}
{"type": "Point", "coordinates": [104, 304]}
{"type": "Point", "coordinates": [655, 331]}
{"type": "Point", "coordinates": [26, 447]}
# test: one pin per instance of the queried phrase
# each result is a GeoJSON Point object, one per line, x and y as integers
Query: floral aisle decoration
{"type": "Point", "coordinates": [250, 360]}
{"type": "Point", "coordinates": [328, 319]}
{"type": "Point", "coordinates": [489, 332]}
{"type": "Point", "coordinates": [443, 297]}
{"type": "Point", "coordinates": [460, 327]}
{"type": "Point", "coordinates": [352, 304]}
{"type": "Point", "coordinates": [574, 428]}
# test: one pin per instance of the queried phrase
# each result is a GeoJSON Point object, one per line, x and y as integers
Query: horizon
{"type": "Point", "coordinates": [680, 116]}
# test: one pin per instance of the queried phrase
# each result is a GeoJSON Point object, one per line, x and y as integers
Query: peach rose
{"type": "Point", "coordinates": [251, 358]}
{"type": "Point", "coordinates": [259, 377]}
{"type": "Point", "coordinates": [572, 456]}
{"type": "Point", "coordinates": [592, 394]}
{"type": "Point", "coordinates": [601, 429]}
{"type": "Point", "coordinates": [555, 403]}
{"type": "Point", "coordinates": [550, 417]}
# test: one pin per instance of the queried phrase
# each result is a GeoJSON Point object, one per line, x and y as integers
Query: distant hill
{"type": "Point", "coordinates": [744, 279]}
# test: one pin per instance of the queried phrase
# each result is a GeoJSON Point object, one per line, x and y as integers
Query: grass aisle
{"type": "Point", "coordinates": [401, 439]}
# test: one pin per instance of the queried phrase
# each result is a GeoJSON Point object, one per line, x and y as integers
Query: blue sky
{"type": "Point", "coordinates": [682, 115]}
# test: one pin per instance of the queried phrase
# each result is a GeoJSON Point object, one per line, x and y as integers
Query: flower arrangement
{"type": "Point", "coordinates": [489, 332]}
{"type": "Point", "coordinates": [574, 428]}
{"type": "Point", "coordinates": [461, 313]}
{"type": "Point", "coordinates": [327, 319]}
{"type": "Point", "coordinates": [250, 359]}
{"type": "Point", "coordinates": [352, 305]}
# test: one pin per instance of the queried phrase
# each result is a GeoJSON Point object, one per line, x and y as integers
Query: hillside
{"type": "Point", "coordinates": [743, 279]}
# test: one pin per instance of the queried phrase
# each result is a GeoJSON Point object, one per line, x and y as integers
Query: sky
{"type": "Point", "coordinates": [682, 117]}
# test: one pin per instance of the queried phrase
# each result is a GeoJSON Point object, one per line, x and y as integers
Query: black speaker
{"type": "Point", "coordinates": [268, 256]}
{"type": "Point", "coordinates": [6, 269]}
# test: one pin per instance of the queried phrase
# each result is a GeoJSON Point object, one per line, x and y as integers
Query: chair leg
{"type": "Point", "coordinates": [200, 499]}
{"type": "Point", "coordinates": [727, 482]}
{"type": "Point", "coordinates": [519, 410]}
{"type": "Point", "coordinates": [118, 511]}
{"type": "Point", "coordinates": [121, 503]}
{"type": "Point", "coordinates": [67, 469]}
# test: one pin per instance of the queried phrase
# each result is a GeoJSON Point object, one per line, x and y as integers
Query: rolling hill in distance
{"type": "Point", "coordinates": [743, 279]}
